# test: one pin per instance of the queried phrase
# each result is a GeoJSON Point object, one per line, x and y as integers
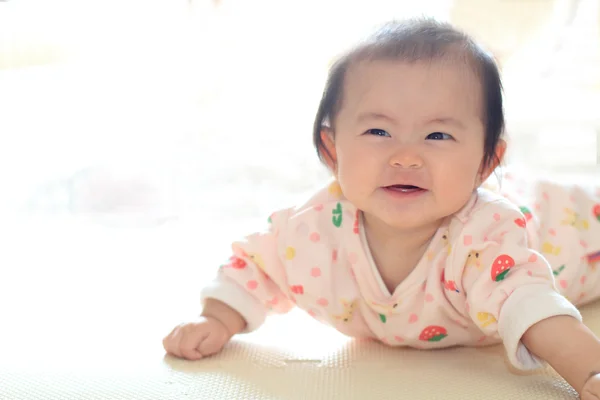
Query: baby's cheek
{"type": "Point", "coordinates": [350, 185]}
{"type": "Point", "coordinates": [454, 193]}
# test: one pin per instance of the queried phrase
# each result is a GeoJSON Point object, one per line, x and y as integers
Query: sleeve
{"type": "Point", "coordinates": [253, 281]}
{"type": "Point", "coordinates": [509, 287]}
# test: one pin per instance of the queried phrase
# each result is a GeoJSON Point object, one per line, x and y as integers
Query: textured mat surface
{"type": "Point", "coordinates": [83, 311]}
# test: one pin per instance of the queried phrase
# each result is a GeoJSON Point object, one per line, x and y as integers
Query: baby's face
{"type": "Point", "coordinates": [406, 125]}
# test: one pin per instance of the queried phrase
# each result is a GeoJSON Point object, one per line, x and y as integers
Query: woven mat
{"type": "Point", "coordinates": [84, 310]}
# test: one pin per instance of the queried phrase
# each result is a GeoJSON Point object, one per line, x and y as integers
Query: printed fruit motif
{"type": "Point", "coordinates": [337, 215]}
{"type": "Point", "coordinates": [526, 212]}
{"type": "Point", "coordinates": [558, 270]}
{"type": "Point", "coordinates": [433, 333]}
{"type": "Point", "coordinates": [502, 264]}
{"type": "Point", "coordinates": [383, 318]}
{"type": "Point", "coordinates": [549, 248]}
{"type": "Point", "coordinates": [297, 289]}
{"type": "Point", "coordinates": [451, 285]}
{"type": "Point", "coordinates": [335, 189]}
{"type": "Point", "coordinates": [573, 219]}
{"type": "Point", "coordinates": [521, 222]}
{"type": "Point", "coordinates": [596, 212]}
{"type": "Point", "coordinates": [237, 263]}
{"type": "Point", "coordinates": [485, 319]}
{"type": "Point", "coordinates": [355, 228]}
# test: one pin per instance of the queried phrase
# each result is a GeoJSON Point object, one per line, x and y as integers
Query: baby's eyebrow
{"type": "Point", "coordinates": [448, 121]}
{"type": "Point", "coordinates": [374, 115]}
{"type": "Point", "coordinates": [443, 120]}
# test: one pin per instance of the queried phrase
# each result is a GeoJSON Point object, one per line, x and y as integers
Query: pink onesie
{"type": "Point", "coordinates": [479, 282]}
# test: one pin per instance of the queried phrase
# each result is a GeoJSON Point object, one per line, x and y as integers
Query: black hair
{"type": "Point", "coordinates": [415, 40]}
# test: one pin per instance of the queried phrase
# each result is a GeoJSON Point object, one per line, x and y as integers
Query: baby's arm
{"type": "Point", "coordinates": [247, 288]}
{"type": "Point", "coordinates": [230, 318]}
{"type": "Point", "coordinates": [511, 294]}
{"type": "Point", "coordinates": [569, 347]}
{"type": "Point", "coordinates": [205, 335]}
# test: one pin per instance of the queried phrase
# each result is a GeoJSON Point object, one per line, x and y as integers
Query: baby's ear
{"type": "Point", "coordinates": [327, 149]}
{"type": "Point", "coordinates": [486, 170]}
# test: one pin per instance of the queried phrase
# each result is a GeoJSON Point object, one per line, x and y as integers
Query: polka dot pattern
{"type": "Point", "coordinates": [321, 264]}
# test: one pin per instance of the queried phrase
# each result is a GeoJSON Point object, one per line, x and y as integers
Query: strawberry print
{"type": "Point", "coordinates": [297, 289]}
{"type": "Point", "coordinates": [337, 215]}
{"type": "Point", "coordinates": [236, 262]}
{"type": "Point", "coordinates": [501, 266]}
{"type": "Point", "coordinates": [451, 285]}
{"type": "Point", "coordinates": [521, 222]}
{"type": "Point", "coordinates": [526, 212]}
{"type": "Point", "coordinates": [596, 212]}
{"type": "Point", "coordinates": [433, 333]}
{"type": "Point", "coordinates": [355, 228]}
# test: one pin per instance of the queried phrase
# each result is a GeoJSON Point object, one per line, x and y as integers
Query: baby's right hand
{"type": "Point", "coordinates": [199, 338]}
{"type": "Point", "coordinates": [591, 388]}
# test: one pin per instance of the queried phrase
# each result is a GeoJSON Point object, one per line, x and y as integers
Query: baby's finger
{"type": "Point", "coordinates": [591, 389]}
{"type": "Point", "coordinates": [212, 344]}
{"type": "Point", "coordinates": [171, 343]}
{"type": "Point", "coordinates": [188, 346]}
{"type": "Point", "coordinates": [586, 395]}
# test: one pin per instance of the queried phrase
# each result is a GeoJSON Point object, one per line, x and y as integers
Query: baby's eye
{"type": "Point", "coordinates": [377, 132]}
{"type": "Point", "coordinates": [439, 136]}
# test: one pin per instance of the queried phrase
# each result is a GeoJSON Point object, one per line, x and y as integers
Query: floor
{"type": "Point", "coordinates": [85, 304]}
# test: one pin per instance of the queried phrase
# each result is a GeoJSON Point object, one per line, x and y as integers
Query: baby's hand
{"type": "Point", "coordinates": [193, 340]}
{"type": "Point", "coordinates": [591, 389]}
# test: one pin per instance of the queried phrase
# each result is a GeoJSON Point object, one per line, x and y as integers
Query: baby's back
{"type": "Point", "coordinates": [563, 222]}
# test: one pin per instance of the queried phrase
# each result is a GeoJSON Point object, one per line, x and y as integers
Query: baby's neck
{"type": "Point", "coordinates": [396, 252]}
{"type": "Point", "coordinates": [401, 241]}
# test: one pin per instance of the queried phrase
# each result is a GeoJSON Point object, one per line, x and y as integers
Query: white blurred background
{"type": "Point", "coordinates": [137, 113]}
{"type": "Point", "coordinates": [138, 138]}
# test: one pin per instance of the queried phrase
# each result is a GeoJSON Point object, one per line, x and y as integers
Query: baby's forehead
{"type": "Point", "coordinates": [456, 64]}
{"type": "Point", "coordinates": [437, 81]}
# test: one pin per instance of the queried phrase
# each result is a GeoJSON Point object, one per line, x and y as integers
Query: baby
{"type": "Point", "coordinates": [405, 245]}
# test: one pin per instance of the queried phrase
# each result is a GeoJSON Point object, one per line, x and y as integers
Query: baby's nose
{"type": "Point", "coordinates": [407, 157]}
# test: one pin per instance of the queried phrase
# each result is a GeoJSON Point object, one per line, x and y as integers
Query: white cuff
{"type": "Point", "coordinates": [236, 297]}
{"type": "Point", "coordinates": [525, 307]}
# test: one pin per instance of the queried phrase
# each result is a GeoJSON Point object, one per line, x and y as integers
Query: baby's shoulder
{"type": "Point", "coordinates": [328, 193]}
{"type": "Point", "coordinates": [489, 203]}
{"type": "Point", "coordinates": [326, 209]}
{"type": "Point", "coordinates": [486, 212]}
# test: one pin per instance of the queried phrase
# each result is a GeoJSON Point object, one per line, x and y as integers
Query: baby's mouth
{"type": "Point", "coordinates": [404, 188]}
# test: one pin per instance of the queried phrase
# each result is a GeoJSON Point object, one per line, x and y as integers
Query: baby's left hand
{"type": "Point", "coordinates": [591, 389]}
